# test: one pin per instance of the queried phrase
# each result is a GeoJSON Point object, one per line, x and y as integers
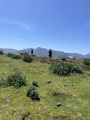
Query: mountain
{"type": "Point", "coordinates": [7, 50]}
{"type": "Point", "coordinates": [88, 55]}
{"type": "Point", "coordinates": [44, 52]}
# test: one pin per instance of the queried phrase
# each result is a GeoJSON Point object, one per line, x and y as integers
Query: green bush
{"type": "Point", "coordinates": [33, 93]}
{"type": "Point", "coordinates": [3, 82]}
{"type": "Point", "coordinates": [76, 69]}
{"type": "Point", "coordinates": [64, 69]}
{"type": "Point", "coordinates": [27, 58]}
{"type": "Point", "coordinates": [86, 61]}
{"type": "Point", "coordinates": [17, 80]}
{"type": "Point", "coordinates": [35, 83]}
{"type": "Point", "coordinates": [10, 54]}
{"type": "Point", "coordinates": [16, 56]}
{"type": "Point", "coordinates": [1, 52]}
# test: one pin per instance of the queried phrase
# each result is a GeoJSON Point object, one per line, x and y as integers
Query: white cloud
{"type": "Point", "coordinates": [21, 24]}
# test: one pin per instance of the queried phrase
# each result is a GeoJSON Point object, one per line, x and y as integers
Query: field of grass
{"type": "Point", "coordinates": [73, 92]}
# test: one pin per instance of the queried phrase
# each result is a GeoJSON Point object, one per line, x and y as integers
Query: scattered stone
{"type": "Point", "coordinates": [25, 115]}
{"type": "Point", "coordinates": [14, 112]}
{"type": "Point", "coordinates": [48, 81]}
{"type": "Point", "coordinates": [18, 92]}
{"type": "Point", "coordinates": [58, 104]}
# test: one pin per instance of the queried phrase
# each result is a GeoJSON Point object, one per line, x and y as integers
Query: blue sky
{"type": "Point", "coordinates": [62, 25]}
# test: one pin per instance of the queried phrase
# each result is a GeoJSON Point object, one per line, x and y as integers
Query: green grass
{"type": "Point", "coordinates": [72, 91]}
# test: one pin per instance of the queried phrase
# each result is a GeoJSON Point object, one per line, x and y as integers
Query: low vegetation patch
{"type": "Point", "coordinates": [17, 80]}
{"type": "Point", "coordinates": [62, 117]}
{"type": "Point", "coordinates": [3, 82]}
{"type": "Point", "coordinates": [16, 56]}
{"type": "Point", "coordinates": [64, 69]}
{"type": "Point", "coordinates": [1, 52]}
{"type": "Point", "coordinates": [27, 58]}
{"type": "Point", "coordinates": [10, 54]}
{"type": "Point", "coordinates": [33, 93]}
{"type": "Point", "coordinates": [35, 83]}
{"type": "Point", "coordinates": [86, 61]}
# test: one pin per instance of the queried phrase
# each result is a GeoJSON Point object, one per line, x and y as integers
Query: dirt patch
{"type": "Point", "coordinates": [86, 67]}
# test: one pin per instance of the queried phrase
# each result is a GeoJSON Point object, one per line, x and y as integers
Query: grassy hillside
{"type": "Point", "coordinates": [73, 92]}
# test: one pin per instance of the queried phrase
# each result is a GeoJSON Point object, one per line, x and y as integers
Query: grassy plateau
{"type": "Point", "coordinates": [73, 92]}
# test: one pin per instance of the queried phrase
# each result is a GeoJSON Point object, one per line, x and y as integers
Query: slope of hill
{"type": "Point", "coordinates": [44, 52]}
{"type": "Point", "coordinates": [71, 91]}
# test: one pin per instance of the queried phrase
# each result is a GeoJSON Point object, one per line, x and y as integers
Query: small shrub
{"type": "Point", "coordinates": [27, 58]}
{"type": "Point", "coordinates": [29, 90]}
{"type": "Point", "coordinates": [16, 56]}
{"type": "Point", "coordinates": [3, 82]}
{"type": "Point", "coordinates": [33, 93]}
{"type": "Point", "coordinates": [35, 83]}
{"type": "Point", "coordinates": [1, 52]}
{"type": "Point", "coordinates": [10, 54]}
{"type": "Point", "coordinates": [86, 61]}
{"type": "Point", "coordinates": [16, 80]}
{"type": "Point", "coordinates": [76, 69]}
{"type": "Point", "coordinates": [64, 69]}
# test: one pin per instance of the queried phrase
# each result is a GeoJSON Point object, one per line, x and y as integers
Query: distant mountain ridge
{"type": "Point", "coordinates": [44, 52]}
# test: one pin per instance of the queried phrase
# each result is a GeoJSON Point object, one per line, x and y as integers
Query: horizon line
{"type": "Point", "coordinates": [47, 49]}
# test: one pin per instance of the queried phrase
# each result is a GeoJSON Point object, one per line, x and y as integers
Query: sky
{"type": "Point", "coordinates": [62, 25]}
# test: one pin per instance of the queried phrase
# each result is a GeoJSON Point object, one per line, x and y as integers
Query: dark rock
{"type": "Point", "coordinates": [25, 115]}
{"type": "Point", "coordinates": [18, 92]}
{"type": "Point", "coordinates": [58, 104]}
{"type": "Point", "coordinates": [48, 81]}
{"type": "Point", "coordinates": [23, 118]}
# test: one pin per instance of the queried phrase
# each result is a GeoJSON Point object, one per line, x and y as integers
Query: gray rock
{"type": "Point", "coordinates": [48, 81]}
{"type": "Point", "coordinates": [58, 104]}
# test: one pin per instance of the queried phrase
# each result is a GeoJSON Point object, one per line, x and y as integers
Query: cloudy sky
{"type": "Point", "coordinates": [62, 25]}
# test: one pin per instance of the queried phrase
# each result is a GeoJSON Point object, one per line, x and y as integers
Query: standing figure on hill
{"type": "Point", "coordinates": [31, 52]}
{"type": "Point", "coordinates": [50, 54]}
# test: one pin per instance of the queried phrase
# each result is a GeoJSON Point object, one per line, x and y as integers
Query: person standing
{"type": "Point", "coordinates": [50, 54]}
{"type": "Point", "coordinates": [31, 52]}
